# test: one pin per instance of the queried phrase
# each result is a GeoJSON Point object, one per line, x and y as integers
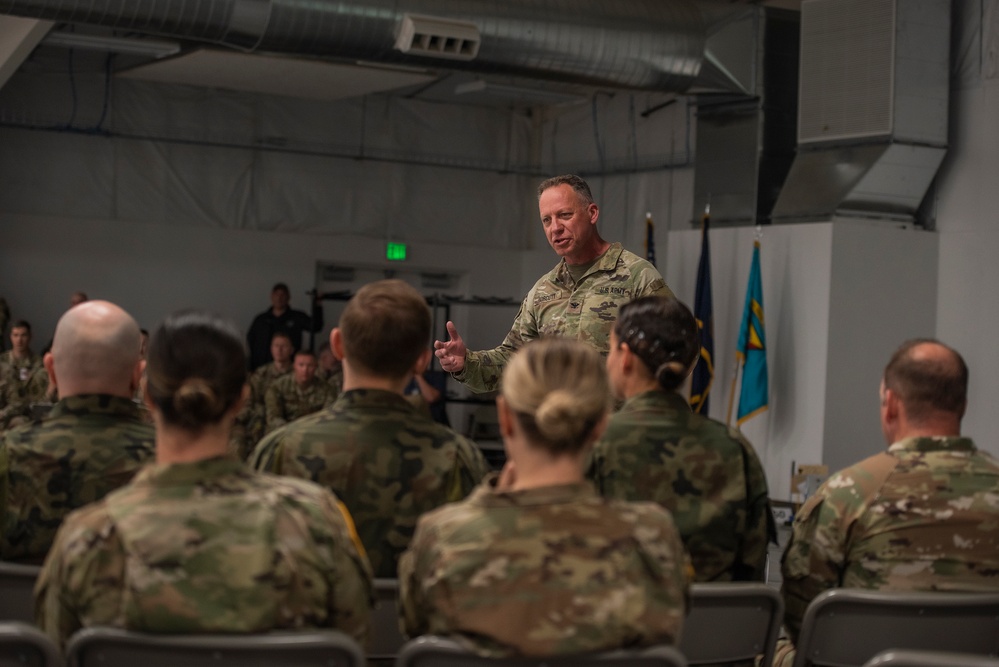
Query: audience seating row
{"type": "Point", "coordinates": [726, 623]}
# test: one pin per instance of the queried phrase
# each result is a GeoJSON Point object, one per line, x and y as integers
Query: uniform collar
{"type": "Point", "coordinates": [606, 262]}
{"type": "Point", "coordinates": [657, 399]}
{"type": "Point", "coordinates": [933, 444]}
{"type": "Point", "coordinates": [93, 404]}
{"type": "Point", "coordinates": [486, 494]}
{"type": "Point", "coordinates": [184, 474]}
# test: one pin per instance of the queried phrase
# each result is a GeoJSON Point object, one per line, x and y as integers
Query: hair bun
{"type": "Point", "coordinates": [558, 416]}
{"type": "Point", "coordinates": [196, 398]}
{"type": "Point", "coordinates": [671, 375]}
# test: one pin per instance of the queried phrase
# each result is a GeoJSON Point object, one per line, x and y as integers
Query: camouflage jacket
{"type": "Point", "coordinates": [706, 474]}
{"type": "Point", "coordinates": [16, 397]}
{"type": "Point", "coordinates": [206, 547]}
{"type": "Point", "coordinates": [19, 369]}
{"type": "Point", "coordinates": [559, 306]}
{"type": "Point", "coordinates": [387, 462]}
{"type": "Point", "coordinates": [286, 401]}
{"type": "Point", "coordinates": [251, 422]}
{"type": "Point", "coordinates": [86, 447]}
{"type": "Point", "coordinates": [545, 571]}
{"type": "Point", "coordinates": [921, 516]}
{"type": "Point", "coordinates": [262, 379]}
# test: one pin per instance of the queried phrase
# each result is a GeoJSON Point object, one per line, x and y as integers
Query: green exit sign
{"type": "Point", "coordinates": [395, 252]}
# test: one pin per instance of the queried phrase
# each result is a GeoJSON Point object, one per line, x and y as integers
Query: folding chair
{"type": "Point", "coordinates": [17, 591]}
{"type": "Point", "coordinates": [929, 659]}
{"type": "Point", "coordinates": [112, 647]}
{"type": "Point", "coordinates": [23, 645]}
{"type": "Point", "coordinates": [431, 651]}
{"type": "Point", "coordinates": [731, 622]}
{"type": "Point", "coordinates": [386, 637]}
{"type": "Point", "coordinates": [846, 627]}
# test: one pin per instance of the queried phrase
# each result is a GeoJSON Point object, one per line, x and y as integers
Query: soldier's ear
{"type": "Point", "coordinates": [505, 417]}
{"type": "Point", "coordinates": [137, 373]}
{"type": "Point", "coordinates": [336, 343]}
{"type": "Point", "coordinates": [49, 362]}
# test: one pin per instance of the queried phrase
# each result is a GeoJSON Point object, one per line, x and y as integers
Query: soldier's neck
{"type": "Point", "coordinates": [357, 379]}
{"type": "Point", "coordinates": [177, 445]}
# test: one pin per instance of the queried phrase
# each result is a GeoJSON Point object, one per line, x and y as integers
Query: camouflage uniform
{"type": "Point", "coordinates": [545, 571]}
{"type": "Point", "coordinates": [206, 547]}
{"type": "Point", "coordinates": [706, 474]}
{"type": "Point", "coordinates": [19, 368]}
{"type": "Point", "coordinates": [286, 401]}
{"type": "Point", "coordinates": [385, 460]}
{"type": "Point", "coordinates": [921, 516]}
{"type": "Point", "coordinates": [559, 306]}
{"type": "Point", "coordinates": [333, 378]}
{"type": "Point", "coordinates": [85, 448]}
{"type": "Point", "coordinates": [251, 422]}
{"type": "Point", "coordinates": [18, 397]}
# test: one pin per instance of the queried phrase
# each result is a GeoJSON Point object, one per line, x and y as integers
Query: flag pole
{"type": "Point", "coordinates": [731, 396]}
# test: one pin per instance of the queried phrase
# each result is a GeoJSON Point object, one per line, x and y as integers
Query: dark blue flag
{"type": "Point", "coordinates": [704, 372]}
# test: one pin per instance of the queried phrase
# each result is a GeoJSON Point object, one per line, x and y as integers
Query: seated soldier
{"type": "Point", "coordinates": [18, 366]}
{"type": "Point", "coordinates": [385, 459]}
{"type": "Point", "coordinates": [705, 473]}
{"type": "Point", "coordinates": [922, 515]}
{"type": "Point", "coordinates": [251, 422]}
{"type": "Point", "coordinates": [534, 562]}
{"type": "Point", "coordinates": [92, 441]}
{"type": "Point", "coordinates": [198, 543]}
{"type": "Point", "coordinates": [298, 393]}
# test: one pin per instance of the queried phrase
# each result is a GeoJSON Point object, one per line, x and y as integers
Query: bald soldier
{"type": "Point", "coordinates": [93, 440]}
{"type": "Point", "coordinates": [920, 516]}
{"type": "Point", "coordinates": [577, 299]}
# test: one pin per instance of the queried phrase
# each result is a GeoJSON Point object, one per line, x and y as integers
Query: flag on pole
{"type": "Point", "coordinates": [751, 348]}
{"type": "Point", "coordinates": [704, 371]}
{"type": "Point", "coordinates": [650, 239]}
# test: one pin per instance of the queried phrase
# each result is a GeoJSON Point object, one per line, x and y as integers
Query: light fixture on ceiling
{"type": "Point", "coordinates": [153, 48]}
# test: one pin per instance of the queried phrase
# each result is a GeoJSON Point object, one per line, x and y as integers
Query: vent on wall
{"type": "Point", "coordinates": [847, 64]}
{"type": "Point", "coordinates": [438, 37]}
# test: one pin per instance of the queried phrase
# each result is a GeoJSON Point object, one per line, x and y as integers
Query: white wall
{"type": "Point", "coordinates": [967, 207]}
{"type": "Point", "coordinates": [795, 262]}
{"type": "Point", "coordinates": [152, 270]}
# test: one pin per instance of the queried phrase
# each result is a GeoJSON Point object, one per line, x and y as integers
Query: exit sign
{"type": "Point", "coordinates": [395, 252]}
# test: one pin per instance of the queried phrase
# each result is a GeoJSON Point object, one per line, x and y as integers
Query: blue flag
{"type": "Point", "coordinates": [751, 348]}
{"type": "Point", "coordinates": [704, 371]}
{"type": "Point", "coordinates": [650, 240]}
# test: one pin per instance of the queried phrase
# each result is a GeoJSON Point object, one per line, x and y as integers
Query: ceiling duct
{"type": "Point", "coordinates": [648, 45]}
{"type": "Point", "coordinates": [872, 111]}
{"type": "Point", "coordinates": [745, 139]}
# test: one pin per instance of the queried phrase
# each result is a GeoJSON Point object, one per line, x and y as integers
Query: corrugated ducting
{"type": "Point", "coordinates": [644, 45]}
{"type": "Point", "coordinates": [872, 124]}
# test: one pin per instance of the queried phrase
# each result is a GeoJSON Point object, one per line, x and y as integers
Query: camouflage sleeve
{"type": "Point", "coordinates": [750, 563]}
{"type": "Point", "coordinates": [413, 562]}
{"type": "Point", "coordinates": [4, 472]}
{"type": "Point", "coordinates": [667, 561]}
{"type": "Point", "coordinates": [350, 576]}
{"type": "Point", "coordinates": [265, 456]}
{"type": "Point", "coordinates": [274, 407]}
{"type": "Point", "coordinates": [651, 283]}
{"type": "Point", "coordinates": [86, 550]}
{"type": "Point", "coordinates": [483, 368]}
{"type": "Point", "coordinates": [469, 468]}
{"type": "Point", "coordinates": [816, 555]}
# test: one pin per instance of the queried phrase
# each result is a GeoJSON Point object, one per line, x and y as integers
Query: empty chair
{"type": "Point", "coordinates": [386, 638]}
{"type": "Point", "coordinates": [17, 591]}
{"type": "Point", "coordinates": [731, 622]}
{"type": "Point", "coordinates": [111, 647]}
{"type": "Point", "coordinates": [431, 651]}
{"type": "Point", "coordinates": [847, 627]}
{"type": "Point", "coordinates": [23, 645]}
{"type": "Point", "coordinates": [930, 659]}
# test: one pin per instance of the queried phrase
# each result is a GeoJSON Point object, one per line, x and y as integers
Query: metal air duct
{"type": "Point", "coordinates": [637, 44]}
{"type": "Point", "coordinates": [872, 119]}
